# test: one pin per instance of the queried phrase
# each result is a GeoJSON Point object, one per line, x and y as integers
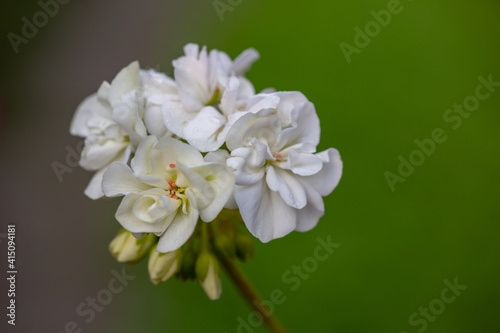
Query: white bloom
{"type": "Point", "coordinates": [168, 186]}
{"type": "Point", "coordinates": [111, 123]}
{"type": "Point", "coordinates": [280, 182]}
{"type": "Point", "coordinates": [211, 89]}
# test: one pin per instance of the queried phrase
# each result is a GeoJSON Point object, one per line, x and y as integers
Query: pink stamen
{"type": "Point", "coordinates": [278, 155]}
{"type": "Point", "coordinates": [171, 183]}
{"type": "Point", "coordinates": [172, 165]}
{"type": "Point", "coordinates": [174, 197]}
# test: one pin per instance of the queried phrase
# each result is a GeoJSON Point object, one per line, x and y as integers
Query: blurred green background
{"type": "Point", "coordinates": [397, 247]}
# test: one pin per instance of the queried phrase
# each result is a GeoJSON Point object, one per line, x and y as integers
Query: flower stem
{"type": "Point", "coordinates": [250, 294]}
{"type": "Point", "coordinates": [204, 235]}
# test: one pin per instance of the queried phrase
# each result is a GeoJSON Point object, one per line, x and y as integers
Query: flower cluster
{"type": "Point", "coordinates": [182, 149]}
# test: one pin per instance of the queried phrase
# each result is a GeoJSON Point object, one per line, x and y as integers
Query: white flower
{"type": "Point", "coordinates": [211, 89]}
{"type": "Point", "coordinates": [280, 182]}
{"type": "Point", "coordinates": [168, 186]}
{"type": "Point", "coordinates": [111, 123]}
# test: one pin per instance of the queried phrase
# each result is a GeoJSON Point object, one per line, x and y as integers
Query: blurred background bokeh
{"type": "Point", "coordinates": [397, 247]}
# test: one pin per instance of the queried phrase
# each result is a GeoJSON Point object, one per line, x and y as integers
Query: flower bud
{"type": "Point", "coordinates": [126, 248]}
{"type": "Point", "coordinates": [162, 266]}
{"type": "Point", "coordinates": [208, 273]}
{"type": "Point", "coordinates": [225, 245]}
{"type": "Point", "coordinates": [244, 246]}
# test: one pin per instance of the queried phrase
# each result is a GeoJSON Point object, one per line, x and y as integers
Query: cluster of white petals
{"type": "Point", "coordinates": [181, 149]}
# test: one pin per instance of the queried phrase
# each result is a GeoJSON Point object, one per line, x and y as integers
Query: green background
{"type": "Point", "coordinates": [397, 247]}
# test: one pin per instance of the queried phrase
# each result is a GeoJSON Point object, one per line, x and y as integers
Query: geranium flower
{"type": "Point", "coordinates": [168, 186]}
{"type": "Point", "coordinates": [280, 181]}
{"type": "Point", "coordinates": [211, 88]}
{"type": "Point", "coordinates": [110, 121]}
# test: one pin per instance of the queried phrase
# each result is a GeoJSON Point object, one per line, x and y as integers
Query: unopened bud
{"type": "Point", "coordinates": [126, 248]}
{"type": "Point", "coordinates": [208, 274]}
{"type": "Point", "coordinates": [162, 266]}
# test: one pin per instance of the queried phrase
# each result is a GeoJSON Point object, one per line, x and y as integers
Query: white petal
{"type": "Point", "coordinates": [246, 89]}
{"type": "Point", "coordinates": [202, 191]}
{"type": "Point", "coordinates": [153, 120]}
{"type": "Point", "coordinates": [263, 126]}
{"type": "Point", "coordinates": [181, 228]}
{"type": "Point", "coordinates": [221, 184]}
{"type": "Point", "coordinates": [244, 61]}
{"type": "Point", "coordinates": [127, 112]}
{"type": "Point", "coordinates": [194, 77]}
{"type": "Point", "coordinates": [228, 100]}
{"type": "Point", "coordinates": [299, 120]}
{"type": "Point", "coordinates": [157, 86]}
{"type": "Point", "coordinates": [130, 221]}
{"type": "Point", "coordinates": [141, 162]}
{"type": "Point", "coordinates": [308, 217]}
{"type": "Point", "coordinates": [159, 182]}
{"type": "Point", "coordinates": [119, 180]}
{"type": "Point", "coordinates": [103, 95]}
{"type": "Point", "coordinates": [212, 71]}
{"type": "Point", "coordinates": [127, 80]}
{"type": "Point", "coordinates": [98, 155]}
{"type": "Point", "coordinates": [248, 164]}
{"type": "Point", "coordinates": [219, 156]}
{"type": "Point", "coordinates": [194, 94]}
{"type": "Point", "coordinates": [290, 189]}
{"type": "Point", "coordinates": [176, 117]}
{"type": "Point", "coordinates": [94, 188]}
{"type": "Point", "coordinates": [191, 50]}
{"type": "Point", "coordinates": [262, 101]}
{"type": "Point", "coordinates": [88, 109]}
{"type": "Point", "coordinates": [202, 132]}
{"type": "Point", "coordinates": [172, 150]}
{"type": "Point", "coordinates": [325, 181]}
{"type": "Point", "coordinates": [154, 204]}
{"type": "Point", "coordinates": [266, 215]}
{"type": "Point", "coordinates": [304, 164]}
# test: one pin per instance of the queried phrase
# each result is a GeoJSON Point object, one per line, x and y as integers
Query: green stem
{"type": "Point", "coordinates": [250, 294]}
{"type": "Point", "coordinates": [204, 235]}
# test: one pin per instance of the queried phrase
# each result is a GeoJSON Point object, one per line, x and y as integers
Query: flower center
{"type": "Point", "coordinates": [175, 192]}
{"type": "Point", "coordinates": [277, 158]}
